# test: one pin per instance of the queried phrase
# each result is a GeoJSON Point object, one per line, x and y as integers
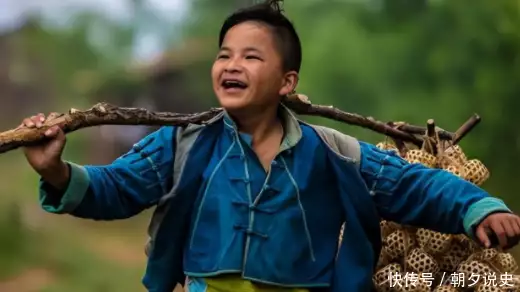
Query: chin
{"type": "Point", "coordinates": [233, 106]}
{"type": "Point", "coordinates": [233, 103]}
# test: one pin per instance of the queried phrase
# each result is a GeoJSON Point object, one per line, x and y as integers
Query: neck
{"type": "Point", "coordinates": [258, 123]}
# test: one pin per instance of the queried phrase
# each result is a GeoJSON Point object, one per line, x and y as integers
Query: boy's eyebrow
{"type": "Point", "coordinates": [252, 49]}
{"type": "Point", "coordinates": [247, 49]}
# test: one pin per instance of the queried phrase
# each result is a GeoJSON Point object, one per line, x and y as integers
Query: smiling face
{"type": "Point", "coordinates": [248, 73]}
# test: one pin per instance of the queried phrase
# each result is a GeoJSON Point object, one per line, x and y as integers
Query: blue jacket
{"type": "Point", "coordinates": [213, 217]}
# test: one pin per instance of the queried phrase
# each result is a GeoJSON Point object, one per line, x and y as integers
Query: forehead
{"type": "Point", "coordinates": [249, 34]}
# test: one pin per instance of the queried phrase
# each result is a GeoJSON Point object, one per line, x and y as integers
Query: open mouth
{"type": "Point", "coordinates": [233, 84]}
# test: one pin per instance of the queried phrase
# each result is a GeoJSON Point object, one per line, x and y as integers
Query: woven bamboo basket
{"type": "Point", "coordinates": [426, 260]}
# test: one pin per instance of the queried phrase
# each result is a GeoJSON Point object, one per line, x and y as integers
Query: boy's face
{"type": "Point", "coordinates": [248, 72]}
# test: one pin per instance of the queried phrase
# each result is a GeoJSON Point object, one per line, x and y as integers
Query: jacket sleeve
{"type": "Point", "coordinates": [416, 195]}
{"type": "Point", "coordinates": [132, 183]}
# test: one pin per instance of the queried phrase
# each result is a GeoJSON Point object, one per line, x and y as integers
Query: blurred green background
{"type": "Point", "coordinates": [401, 60]}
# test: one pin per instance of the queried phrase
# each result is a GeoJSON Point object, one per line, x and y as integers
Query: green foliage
{"type": "Point", "coordinates": [413, 60]}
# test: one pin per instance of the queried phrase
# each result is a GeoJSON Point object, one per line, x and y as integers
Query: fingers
{"type": "Point", "coordinates": [37, 121]}
{"type": "Point", "coordinates": [516, 225]}
{"type": "Point", "coordinates": [53, 115]}
{"type": "Point", "coordinates": [483, 236]}
{"type": "Point", "coordinates": [34, 121]}
{"type": "Point", "coordinates": [54, 131]}
{"type": "Point", "coordinates": [512, 230]}
{"type": "Point", "coordinates": [498, 228]}
{"type": "Point", "coordinates": [508, 228]}
{"type": "Point", "coordinates": [60, 135]}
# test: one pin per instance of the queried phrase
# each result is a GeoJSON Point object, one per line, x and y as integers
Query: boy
{"type": "Point", "coordinates": [254, 200]}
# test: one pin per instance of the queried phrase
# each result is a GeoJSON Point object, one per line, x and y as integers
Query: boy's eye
{"type": "Point", "coordinates": [222, 56]}
{"type": "Point", "coordinates": [252, 57]}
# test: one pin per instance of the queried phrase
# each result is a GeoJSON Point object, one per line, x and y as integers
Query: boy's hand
{"type": "Point", "coordinates": [501, 227]}
{"type": "Point", "coordinates": [45, 157]}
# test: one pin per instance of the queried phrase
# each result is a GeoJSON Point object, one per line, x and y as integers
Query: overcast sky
{"type": "Point", "coordinates": [60, 11]}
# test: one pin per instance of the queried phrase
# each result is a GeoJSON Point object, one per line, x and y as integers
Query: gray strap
{"type": "Point", "coordinates": [185, 138]}
{"type": "Point", "coordinates": [345, 146]}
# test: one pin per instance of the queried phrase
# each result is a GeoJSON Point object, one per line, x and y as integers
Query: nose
{"type": "Point", "coordinates": [233, 65]}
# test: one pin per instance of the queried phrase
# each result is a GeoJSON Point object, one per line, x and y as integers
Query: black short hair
{"type": "Point", "coordinates": [271, 14]}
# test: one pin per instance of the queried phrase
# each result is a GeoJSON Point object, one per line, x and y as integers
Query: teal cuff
{"type": "Point", "coordinates": [480, 210]}
{"type": "Point", "coordinates": [76, 190]}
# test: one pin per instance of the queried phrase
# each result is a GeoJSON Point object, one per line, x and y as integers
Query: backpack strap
{"type": "Point", "coordinates": [347, 147]}
{"type": "Point", "coordinates": [185, 138]}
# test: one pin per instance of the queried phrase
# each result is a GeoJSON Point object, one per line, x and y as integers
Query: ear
{"type": "Point", "coordinates": [289, 84]}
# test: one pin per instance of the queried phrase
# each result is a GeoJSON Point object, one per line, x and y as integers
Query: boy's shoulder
{"type": "Point", "coordinates": [193, 130]}
{"type": "Point", "coordinates": [344, 145]}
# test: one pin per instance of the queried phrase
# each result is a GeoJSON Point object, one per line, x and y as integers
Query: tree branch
{"type": "Point", "coordinates": [107, 114]}
{"type": "Point", "coordinates": [302, 106]}
{"type": "Point", "coordinates": [99, 114]}
{"type": "Point", "coordinates": [417, 130]}
{"type": "Point", "coordinates": [469, 125]}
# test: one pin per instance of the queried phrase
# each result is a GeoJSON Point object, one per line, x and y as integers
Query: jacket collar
{"type": "Point", "coordinates": [291, 126]}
